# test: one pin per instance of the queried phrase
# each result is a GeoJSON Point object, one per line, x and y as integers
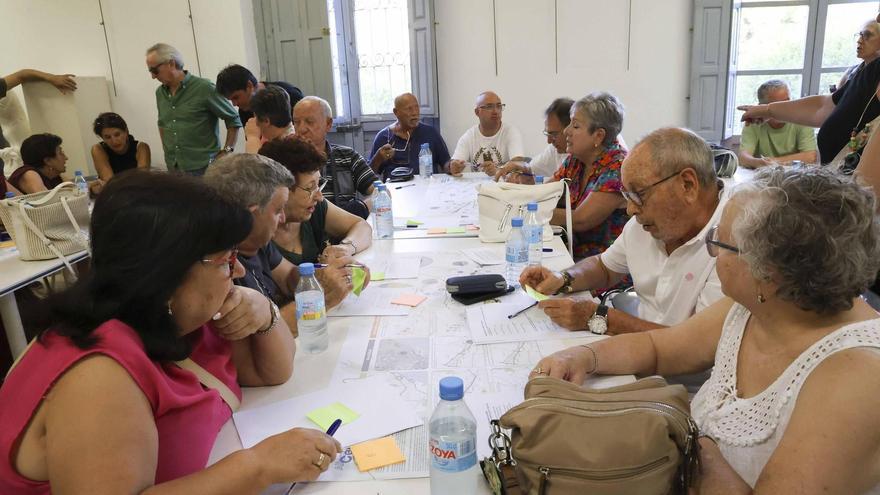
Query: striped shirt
{"type": "Point", "coordinates": [347, 173]}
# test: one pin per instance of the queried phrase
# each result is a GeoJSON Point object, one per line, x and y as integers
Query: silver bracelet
{"type": "Point", "coordinates": [275, 315]}
{"type": "Point", "coordinates": [595, 359]}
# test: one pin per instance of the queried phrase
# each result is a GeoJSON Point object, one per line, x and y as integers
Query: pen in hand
{"type": "Point", "coordinates": [530, 306]}
{"type": "Point", "coordinates": [330, 431]}
{"type": "Point", "coordinates": [401, 187]}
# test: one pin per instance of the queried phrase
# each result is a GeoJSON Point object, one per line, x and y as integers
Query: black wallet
{"type": "Point", "coordinates": [400, 174]}
{"type": "Point", "coordinates": [476, 284]}
{"type": "Point", "coordinates": [468, 299]}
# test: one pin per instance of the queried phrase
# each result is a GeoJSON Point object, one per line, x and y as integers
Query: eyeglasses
{"type": "Point", "coordinates": [391, 138]}
{"type": "Point", "coordinates": [322, 182]}
{"type": "Point", "coordinates": [155, 69]}
{"type": "Point", "coordinates": [552, 134]}
{"type": "Point", "coordinates": [493, 106]}
{"type": "Point", "coordinates": [636, 197]}
{"type": "Point", "coordinates": [712, 242]}
{"type": "Point", "coordinates": [865, 35]}
{"type": "Point", "coordinates": [229, 261]}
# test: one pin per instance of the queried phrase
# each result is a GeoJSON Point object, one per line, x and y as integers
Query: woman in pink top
{"type": "Point", "coordinates": [97, 405]}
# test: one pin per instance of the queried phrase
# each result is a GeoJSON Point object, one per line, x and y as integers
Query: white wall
{"type": "Point", "coordinates": [66, 37]}
{"type": "Point", "coordinates": [592, 56]}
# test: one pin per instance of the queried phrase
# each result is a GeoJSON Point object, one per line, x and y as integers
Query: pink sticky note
{"type": "Point", "coordinates": [473, 227]}
{"type": "Point", "coordinates": [437, 230]}
{"type": "Point", "coordinates": [409, 300]}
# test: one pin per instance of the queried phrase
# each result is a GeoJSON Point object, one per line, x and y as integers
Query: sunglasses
{"type": "Point", "coordinates": [229, 261]}
{"type": "Point", "coordinates": [712, 242]}
{"type": "Point", "coordinates": [155, 69]}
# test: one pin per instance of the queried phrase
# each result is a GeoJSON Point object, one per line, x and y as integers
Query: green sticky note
{"type": "Point", "coordinates": [537, 296]}
{"type": "Point", "coordinates": [325, 416]}
{"type": "Point", "coordinates": [414, 223]}
{"type": "Point", "coordinates": [377, 276]}
{"type": "Point", "coordinates": [358, 276]}
{"type": "Point", "coordinates": [455, 230]}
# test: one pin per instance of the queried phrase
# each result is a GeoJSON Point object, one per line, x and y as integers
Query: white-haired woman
{"type": "Point", "coordinates": [791, 406]}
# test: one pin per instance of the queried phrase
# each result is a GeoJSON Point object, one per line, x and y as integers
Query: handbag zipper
{"type": "Point", "coordinates": [583, 474]}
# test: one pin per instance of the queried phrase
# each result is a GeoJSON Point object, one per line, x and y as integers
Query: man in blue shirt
{"type": "Point", "coordinates": [398, 145]}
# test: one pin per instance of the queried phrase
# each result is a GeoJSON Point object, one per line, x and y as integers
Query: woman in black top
{"type": "Point", "coordinates": [118, 150]}
{"type": "Point", "coordinates": [836, 115]}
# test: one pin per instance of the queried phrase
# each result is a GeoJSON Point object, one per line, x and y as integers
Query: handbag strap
{"type": "Point", "coordinates": [209, 380]}
{"type": "Point", "coordinates": [569, 232]}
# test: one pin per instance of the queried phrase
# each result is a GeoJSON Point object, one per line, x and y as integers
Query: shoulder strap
{"type": "Point", "coordinates": [211, 381]}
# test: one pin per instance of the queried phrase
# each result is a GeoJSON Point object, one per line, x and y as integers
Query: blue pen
{"type": "Point", "coordinates": [330, 431]}
{"type": "Point", "coordinates": [547, 250]}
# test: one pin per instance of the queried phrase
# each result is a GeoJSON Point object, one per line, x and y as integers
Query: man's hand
{"type": "Point", "coordinates": [569, 313]}
{"type": "Point", "coordinates": [489, 168]}
{"type": "Point", "coordinates": [64, 82]}
{"type": "Point", "coordinates": [541, 279]}
{"type": "Point", "coordinates": [244, 312]}
{"type": "Point", "coordinates": [456, 167]}
{"type": "Point", "coordinates": [385, 153]}
{"type": "Point", "coordinates": [754, 114]}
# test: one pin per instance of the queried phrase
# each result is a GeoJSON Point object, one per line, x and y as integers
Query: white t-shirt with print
{"type": "Point", "coordinates": [547, 162]}
{"type": "Point", "coordinates": [474, 147]}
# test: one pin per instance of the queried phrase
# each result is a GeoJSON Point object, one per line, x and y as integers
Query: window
{"type": "Point", "coordinates": [807, 43]}
{"type": "Point", "coordinates": [382, 35]}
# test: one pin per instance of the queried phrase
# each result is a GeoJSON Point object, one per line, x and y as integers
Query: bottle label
{"type": "Point", "coordinates": [515, 254]}
{"type": "Point", "coordinates": [536, 234]}
{"type": "Point", "coordinates": [453, 457]}
{"type": "Point", "coordinates": [310, 310]}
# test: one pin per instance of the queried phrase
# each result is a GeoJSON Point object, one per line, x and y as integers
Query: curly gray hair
{"type": "Point", "coordinates": [602, 110]}
{"type": "Point", "coordinates": [165, 53]}
{"type": "Point", "coordinates": [248, 179]}
{"type": "Point", "coordinates": [811, 231]}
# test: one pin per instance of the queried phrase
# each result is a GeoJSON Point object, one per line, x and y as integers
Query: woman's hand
{"type": "Point", "coordinates": [336, 251]}
{"type": "Point", "coordinates": [569, 313]}
{"type": "Point", "coordinates": [252, 130]}
{"type": "Point", "coordinates": [64, 82]}
{"type": "Point", "coordinates": [541, 279]}
{"type": "Point", "coordinates": [294, 455]}
{"type": "Point", "coordinates": [243, 313]}
{"type": "Point", "coordinates": [572, 364]}
{"type": "Point", "coordinates": [754, 114]}
{"type": "Point", "coordinates": [336, 280]}
{"type": "Point", "coordinates": [511, 171]}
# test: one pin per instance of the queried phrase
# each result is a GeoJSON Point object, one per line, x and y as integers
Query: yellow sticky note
{"type": "Point", "coordinates": [6, 244]}
{"type": "Point", "coordinates": [325, 416]}
{"type": "Point", "coordinates": [537, 296]}
{"type": "Point", "coordinates": [409, 300]}
{"type": "Point", "coordinates": [358, 277]}
{"type": "Point", "coordinates": [413, 223]}
{"type": "Point", "coordinates": [377, 276]}
{"type": "Point", "coordinates": [437, 230]}
{"type": "Point", "coordinates": [377, 453]}
{"type": "Point", "coordinates": [455, 230]}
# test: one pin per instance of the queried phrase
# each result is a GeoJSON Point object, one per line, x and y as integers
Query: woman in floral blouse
{"type": "Point", "coordinates": [593, 169]}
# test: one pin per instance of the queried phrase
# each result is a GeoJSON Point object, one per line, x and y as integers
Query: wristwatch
{"type": "Point", "coordinates": [275, 315]}
{"type": "Point", "coordinates": [350, 243]}
{"type": "Point", "coordinates": [567, 279]}
{"type": "Point", "coordinates": [598, 323]}
{"type": "Point", "coordinates": [228, 149]}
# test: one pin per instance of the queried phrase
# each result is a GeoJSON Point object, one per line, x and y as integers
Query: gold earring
{"type": "Point", "coordinates": [761, 298]}
{"type": "Point", "coordinates": [170, 313]}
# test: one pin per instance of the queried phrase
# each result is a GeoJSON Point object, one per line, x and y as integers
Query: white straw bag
{"type": "Point", "coordinates": [49, 224]}
{"type": "Point", "coordinates": [501, 201]}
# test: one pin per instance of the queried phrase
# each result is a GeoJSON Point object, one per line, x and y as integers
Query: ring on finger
{"type": "Point", "coordinates": [320, 462]}
{"type": "Point", "coordinates": [538, 371]}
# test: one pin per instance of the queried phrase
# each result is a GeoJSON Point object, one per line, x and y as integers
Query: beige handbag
{"type": "Point", "coordinates": [637, 438]}
{"type": "Point", "coordinates": [49, 224]}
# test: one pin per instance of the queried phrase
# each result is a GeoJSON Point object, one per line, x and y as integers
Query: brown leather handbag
{"type": "Point", "coordinates": [637, 438]}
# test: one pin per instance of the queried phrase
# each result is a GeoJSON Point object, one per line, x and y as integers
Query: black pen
{"type": "Point", "coordinates": [350, 265]}
{"type": "Point", "coordinates": [530, 306]}
{"type": "Point", "coordinates": [330, 431]}
{"type": "Point", "coordinates": [401, 187]}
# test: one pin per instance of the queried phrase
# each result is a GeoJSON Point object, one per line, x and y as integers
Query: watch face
{"type": "Point", "coordinates": [598, 325]}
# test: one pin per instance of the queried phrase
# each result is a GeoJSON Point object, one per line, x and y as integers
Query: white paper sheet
{"type": "Point", "coordinates": [489, 323]}
{"type": "Point", "coordinates": [376, 398]}
{"type": "Point", "coordinates": [485, 255]}
{"type": "Point", "coordinates": [373, 301]}
{"type": "Point", "coordinates": [398, 267]}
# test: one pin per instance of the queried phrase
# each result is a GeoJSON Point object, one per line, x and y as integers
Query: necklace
{"type": "Point", "coordinates": [262, 288]}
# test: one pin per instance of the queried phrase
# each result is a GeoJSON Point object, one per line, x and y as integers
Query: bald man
{"type": "Point", "coordinates": [489, 144]}
{"type": "Point", "coordinates": [398, 145]}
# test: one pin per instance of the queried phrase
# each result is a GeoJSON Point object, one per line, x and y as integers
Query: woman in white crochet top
{"type": "Point", "coordinates": [793, 404]}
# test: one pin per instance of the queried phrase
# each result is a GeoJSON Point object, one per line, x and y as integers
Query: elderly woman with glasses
{"type": "Point", "coordinates": [312, 223]}
{"type": "Point", "coordinates": [593, 169]}
{"type": "Point", "coordinates": [127, 389]}
{"type": "Point", "coordinates": [842, 115]}
{"type": "Point", "coordinates": [791, 405]}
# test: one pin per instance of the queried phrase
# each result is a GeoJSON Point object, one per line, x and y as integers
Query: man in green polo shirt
{"type": "Point", "coordinates": [189, 107]}
{"type": "Point", "coordinates": [773, 141]}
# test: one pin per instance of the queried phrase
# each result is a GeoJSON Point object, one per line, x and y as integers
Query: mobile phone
{"type": "Point", "coordinates": [468, 299]}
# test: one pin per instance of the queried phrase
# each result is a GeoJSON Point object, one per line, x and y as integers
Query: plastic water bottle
{"type": "Point", "coordinates": [373, 196]}
{"type": "Point", "coordinates": [426, 162]}
{"type": "Point", "coordinates": [534, 233]}
{"type": "Point", "coordinates": [453, 443]}
{"type": "Point", "coordinates": [384, 215]}
{"type": "Point", "coordinates": [539, 179]}
{"type": "Point", "coordinates": [516, 252]}
{"type": "Point", "coordinates": [80, 182]}
{"type": "Point", "coordinates": [311, 318]}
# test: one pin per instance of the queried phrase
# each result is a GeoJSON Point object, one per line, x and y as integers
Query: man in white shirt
{"type": "Point", "coordinates": [488, 144]}
{"type": "Point", "coordinates": [674, 198]}
{"type": "Point", "coordinates": [556, 119]}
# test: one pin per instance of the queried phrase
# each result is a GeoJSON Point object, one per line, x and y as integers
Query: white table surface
{"type": "Point", "coordinates": [15, 274]}
{"type": "Point", "coordinates": [313, 371]}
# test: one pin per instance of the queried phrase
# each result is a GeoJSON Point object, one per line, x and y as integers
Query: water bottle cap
{"type": "Point", "coordinates": [451, 388]}
{"type": "Point", "coordinates": [532, 207]}
{"type": "Point", "coordinates": [539, 179]}
{"type": "Point", "coordinates": [517, 222]}
{"type": "Point", "coordinates": [78, 172]}
{"type": "Point", "coordinates": [383, 187]}
{"type": "Point", "coordinates": [306, 269]}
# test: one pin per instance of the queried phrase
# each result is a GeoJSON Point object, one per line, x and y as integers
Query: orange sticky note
{"type": "Point", "coordinates": [377, 453]}
{"type": "Point", "coordinates": [473, 227]}
{"type": "Point", "coordinates": [437, 230]}
{"type": "Point", "coordinates": [409, 300]}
